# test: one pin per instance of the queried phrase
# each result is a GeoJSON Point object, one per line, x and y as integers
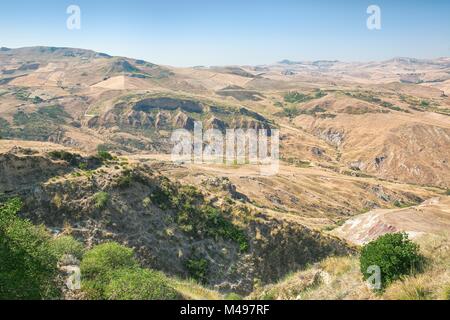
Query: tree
{"type": "Point", "coordinates": [28, 267]}
{"type": "Point", "coordinates": [394, 254]}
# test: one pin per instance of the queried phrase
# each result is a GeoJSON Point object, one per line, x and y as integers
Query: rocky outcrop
{"type": "Point", "coordinates": [169, 104]}
{"type": "Point", "coordinates": [223, 184]}
{"type": "Point", "coordinates": [183, 121]}
{"type": "Point", "coordinates": [215, 123]}
{"type": "Point", "coordinates": [332, 136]}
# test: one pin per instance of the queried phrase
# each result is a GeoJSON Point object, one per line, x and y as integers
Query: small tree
{"type": "Point", "coordinates": [394, 254]}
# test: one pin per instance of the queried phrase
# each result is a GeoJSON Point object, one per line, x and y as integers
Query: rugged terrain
{"type": "Point", "coordinates": [365, 150]}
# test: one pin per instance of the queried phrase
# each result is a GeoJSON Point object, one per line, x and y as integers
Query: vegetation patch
{"type": "Point", "coordinates": [367, 97]}
{"type": "Point", "coordinates": [67, 245]}
{"type": "Point", "coordinates": [71, 158]}
{"type": "Point", "coordinates": [298, 97]}
{"type": "Point", "coordinates": [110, 272]}
{"type": "Point", "coordinates": [394, 254]}
{"type": "Point", "coordinates": [139, 284]}
{"type": "Point", "coordinates": [39, 125]}
{"type": "Point", "coordinates": [101, 200]}
{"type": "Point", "coordinates": [195, 217]}
{"type": "Point", "coordinates": [198, 269]}
{"type": "Point", "coordinates": [98, 265]}
{"type": "Point", "coordinates": [28, 267]}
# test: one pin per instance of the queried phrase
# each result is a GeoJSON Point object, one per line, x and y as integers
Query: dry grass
{"type": "Point", "coordinates": [337, 266]}
{"type": "Point", "coordinates": [434, 282]}
{"type": "Point", "coordinates": [191, 290]}
{"type": "Point", "coordinates": [339, 278]}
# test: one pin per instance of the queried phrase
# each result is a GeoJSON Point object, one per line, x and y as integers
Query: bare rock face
{"type": "Point", "coordinates": [332, 136]}
{"type": "Point", "coordinates": [162, 120]}
{"type": "Point", "coordinates": [183, 121]}
{"type": "Point", "coordinates": [92, 122]}
{"type": "Point", "coordinates": [223, 184]}
{"type": "Point", "coordinates": [215, 123]}
{"type": "Point", "coordinates": [357, 165]}
{"type": "Point", "coordinates": [318, 152]}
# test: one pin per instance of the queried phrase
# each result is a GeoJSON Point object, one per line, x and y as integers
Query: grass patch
{"type": "Point", "coordinates": [110, 272]}
{"type": "Point", "coordinates": [101, 200]}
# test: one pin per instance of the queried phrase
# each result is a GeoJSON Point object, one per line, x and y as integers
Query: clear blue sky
{"type": "Point", "coordinates": [220, 32]}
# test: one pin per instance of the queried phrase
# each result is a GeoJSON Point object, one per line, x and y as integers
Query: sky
{"type": "Point", "coordinates": [233, 32]}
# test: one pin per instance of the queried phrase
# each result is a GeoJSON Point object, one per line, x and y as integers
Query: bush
{"type": "Point", "coordinates": [99, 263]}
{"type": "Point", "coordinates": [71, 158]}
{"type": "Point", "coordinates": [67, 245]}
{"type": "Point", "coordinates": [101, 200]}
{"type": "Point", "coordinates": [110, 271]}
{"type": "Point", "coordinates": [28, 267]}
{"type": "Point", "coordinates": [139, 284]}
{"type": "Point", "coordinates": [395, 254]}
{"type": "Point", "coordinates": [105, 155]}
{"type": "Point", "coordinates": [198, 269]}
{"type": "Point", "coordinates": [296, 97]}
{"type": "Point", "coordinates": [125, 181]}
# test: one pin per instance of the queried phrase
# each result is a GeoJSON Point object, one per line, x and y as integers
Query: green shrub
{"type": "Point", "coordinates": [296, 97]}
{"type": "Point", "coordinates": [67, 245]}
{"type": "Point", "coordinates": [394, 253]}
{"type": "Point", "coordinates": [99, 263]}
{"type": "Point", "coordinates": [163, 195]}
{"type": "Point", "coordinates": [101, 200]}
{"type": "Point", "coordinates": [28, 265]}
{"type": "Point", "coordinates": [424, 104]}
{"type": "Point", "coordinates": [320, 94]}
{"type": "Point", "coordinates": [72, 159]}
{"type": "Point", "coordinates": [291, 112]}
{"type": "Point", "coordinates": [447, 192]}
{"type": "Point", "coordinates": [54, 112]}
{"type": "Point", "coordinates": [124, 181]}
{"type": "Point", "coordinates": [104, 155]}
{"type": "Point", "coordinates": [198, 269]}
{"type": "Point", "coordinates": [139, 284]}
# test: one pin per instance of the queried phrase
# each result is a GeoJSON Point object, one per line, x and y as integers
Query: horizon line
{"type": "Point", "coordinates": [286, 60]}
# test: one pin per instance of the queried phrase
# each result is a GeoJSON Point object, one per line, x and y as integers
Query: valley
{"type": "Point", "coordinates": [85, 143]}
